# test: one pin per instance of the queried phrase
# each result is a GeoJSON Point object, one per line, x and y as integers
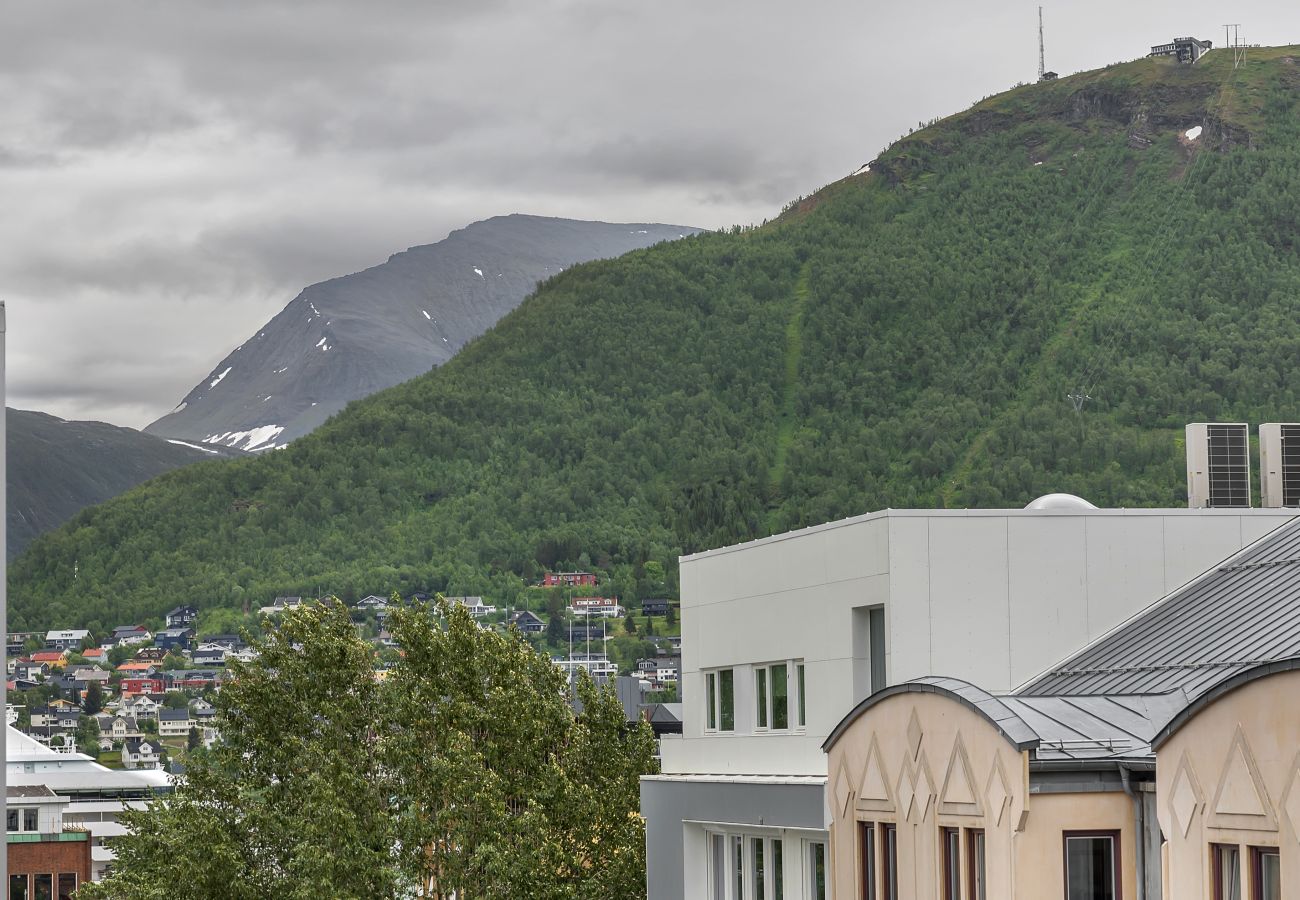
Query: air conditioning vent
{"type": "Point", "coordinates": [1279, 464]}
{"type": "Point", "coordinates": [1218, 465]}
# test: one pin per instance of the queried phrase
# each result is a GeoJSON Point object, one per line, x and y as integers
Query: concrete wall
{"type": "Point", "coordinates": [1232, 776]}
{"type": "Point", "coordinates": [990, 596]}
{"type": "Point", "coordinates": [678, 813]}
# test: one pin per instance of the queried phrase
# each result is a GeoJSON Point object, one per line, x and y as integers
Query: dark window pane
{"type": "Point", "coordinates": [867, 856]}
{"type": "Point", "coordinates": [711, 687]}
{"type": "Point", "coordinates": [976, 850]}
{"type": "Point", "coordinates": [756, 849]}
{"type": "Point", "coordinates": [778, 872]}
{"type": "Point", "coordinates": [1090, 868]}
{"type": "Point", "coordinates": [18, 887]}
{"type": "Point", "coordinates": [817, 887]}
{"type": "Point", "coordinates": [803, 706]}
{"type": "Point", "coordinates": [43, 887]}
{"type": "Point", "coordinates": [29, 820]}
{"type": "Point", "coordinates": [726, 688]}
{"type": "Point", "coordinates": [780, 698]}
{"type": "Point", "coordinates": [719, 863]}
{"type": "Point", "coordinates": [891, 862]}
{"type": "Point", "coordinates": [67, 885]}
{"type": "Point", "coordinates": [760, 693]}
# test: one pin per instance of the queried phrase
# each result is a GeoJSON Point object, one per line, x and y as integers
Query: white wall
{"type": "Point", "coordinates": [991, 596]}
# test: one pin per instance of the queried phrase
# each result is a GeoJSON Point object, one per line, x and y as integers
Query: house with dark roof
{"type": "Point", "coordinates": [182, 617]}
{"type": "Point", "coordinates": [177, 638]}
{"type": "Point", "coordinates": [528, 622]}
{"type": "Point", "coordinates": [140, 753]}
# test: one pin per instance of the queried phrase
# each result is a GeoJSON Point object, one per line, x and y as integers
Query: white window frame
{"type": "Point", "coordinates": [794, 701]}
{"type": "Point", "coordinates": [810, 869]}
{"type": "Point", "coordinates": [732, 841]}
{"type": "Point", "coordinates": [713, 701]}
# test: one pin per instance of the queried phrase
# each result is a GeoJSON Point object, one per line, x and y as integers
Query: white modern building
{"type": "Point", "coordinates": [781, 637]}
{"type": "Point", "coordinates": [96, 794]}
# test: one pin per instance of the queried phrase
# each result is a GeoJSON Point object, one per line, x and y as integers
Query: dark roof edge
{"type": "Point", "coordinates": [1227, 686]}
{"type": "Point", "coordinates": [929, 687]}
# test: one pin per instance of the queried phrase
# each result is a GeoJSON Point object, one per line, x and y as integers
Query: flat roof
{"type": "Point", "coordinates": [1139, 512]}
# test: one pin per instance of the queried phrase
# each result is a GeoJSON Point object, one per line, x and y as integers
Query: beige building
{"type": "Point", "coordinates": [1161, 761]}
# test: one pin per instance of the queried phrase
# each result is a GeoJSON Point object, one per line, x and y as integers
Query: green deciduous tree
{"type": "Point", "coordinates": [464, 771]}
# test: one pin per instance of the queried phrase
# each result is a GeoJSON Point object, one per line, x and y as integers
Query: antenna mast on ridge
{"type": "Point", "coordinates": [1042, 64]}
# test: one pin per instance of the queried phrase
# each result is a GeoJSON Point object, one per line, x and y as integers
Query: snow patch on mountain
{"type": "Point", "coordinates": [253, 439]}
{"type": "Point", "coordinates": [193, 446]}
{"type": "Point", "coordinates": [216, 381]}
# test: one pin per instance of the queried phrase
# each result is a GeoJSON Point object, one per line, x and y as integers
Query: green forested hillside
{"type": "Point", "coordinates": [905, 337]}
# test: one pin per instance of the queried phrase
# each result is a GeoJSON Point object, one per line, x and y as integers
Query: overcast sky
{"type": "Point", "coordinates": [173, 172]}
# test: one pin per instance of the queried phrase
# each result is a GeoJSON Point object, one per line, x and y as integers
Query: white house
{"type": "Point", "coordinates": [174, 722]}
{"type": "Point", "coordinates": [475, 605]}
{"type": "Point", "coordinates": [140, 753]}
{"type": "Point", "coordinates": [606, 607]}
{"type": "Point", "coordinates": [66, 639]}
{"type": "Point", "coordinates": [781, 637]}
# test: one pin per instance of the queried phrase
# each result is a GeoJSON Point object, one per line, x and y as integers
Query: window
{"type": "Point", "coordinates": [803, 713]}
{"type": "Point", "coordinates": [718, 865]}
{"type": "Point", "coordinates": [29, 820]}
{"type": "Point", "coordinates": [738, 865]}
{"type": "Point", "coordinates": [758, 873]}
{"type": "Point", "coordinates": [867, 860]}
{"type": "Point", "coordinates": [1091, 864]}
{"type": "Point", "coordinates": [18, 887]}
{"type": "Point", "coordinates": [1225, 861]}
{"type": "Point", "coordinates": [719, 688]}
{"type": "Point", "coordinates": [976, 886]}
{"type": "Point", "coordinates": [43, 887]}
{"type": "Point", "coordinates": [778, 872]}
{"type": "Point", "coordinates": [67, 885]}
{"type": "Point", "coordinates": [772, 699]}
{"type": "Point", "coordinates": [816, 870]}
{"type": "Point", "coordinates": [1266, 873]}
{"type": "Point", "coordinates": [950, 841]}
{"type": "Point", "coordinates": [889, 861]}
{"type": "Point", "coordinates": [13, 820]}
{"type": "Point", "coordinates": [745, 867]}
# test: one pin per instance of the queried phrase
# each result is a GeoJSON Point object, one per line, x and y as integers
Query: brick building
{"type": "Point", "coordinates": [46, 859]}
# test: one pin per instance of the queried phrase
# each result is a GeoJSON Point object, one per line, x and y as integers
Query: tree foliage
{"type": "Point", "coordinates": [464, 770]}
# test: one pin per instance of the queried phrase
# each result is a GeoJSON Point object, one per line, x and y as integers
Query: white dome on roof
{"type": "Point", "coordinates": [1060, 501]}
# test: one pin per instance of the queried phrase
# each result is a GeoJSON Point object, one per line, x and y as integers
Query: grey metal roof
{"type": "Point", "coordinates": [1239, 615]}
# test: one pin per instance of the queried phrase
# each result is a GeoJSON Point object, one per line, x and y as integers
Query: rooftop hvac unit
{"type": "Point", "coordinates": [1279, 464]}
{"type": "Point", "coordinates": [1218, 465]}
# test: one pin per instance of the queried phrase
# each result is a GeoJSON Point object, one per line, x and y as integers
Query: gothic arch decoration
{"type": "Point", "coordinates": [960, 796]}
{"type": "Point", "coordinates": [1241, 799]}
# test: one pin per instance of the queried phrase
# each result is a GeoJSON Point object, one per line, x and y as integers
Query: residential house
{"type": "Point", "coordinates": [568, 579]}
{"type": "Point", "coordinates": [280, 604]}
{"type": "Point", "coordinates": [84, 674]}
{"type": "Point", "coordinates": [190, 679]}
{"type": "Point", "coordinates": [528, 622]}
{"type": "Point", "coordinates": [209, 654]}
{"type": "Point", "coordinates": [129, 635]}
{"type": "Point", "coordinates": [202, 711]}
{"type": "Point", "coordinates": [373, 602]}
{"type": "Point", "coordinates": [606, 607]}
{"type": "Point", "coordinates": [660, 671]}
{"type": "Point", "coordinates": [182, 617]}
{"type": "Point", "coordinates": [16, 641]}
{"type": "Point", "coordinates": [31, 671]}
{"type": "Point", "coordinates": [229, 641]}
{"type": "Point", "coordinates": [177, 639]}
{"type": "Point", "coordinates": [51, 658]}
{"type": "Point", "coordinates": [150, 654]}
{"type": "Point", "coordinates": [148, 685]}
{"type": "Point", "coordinates": [117, 728]}
{"type": "Point", "coordinates": [95, 654]}
{"type": "Point", "coordinates": [174, 722]}
{"type": "Point", "coordinates": [137, 668]}
{"type": "Point", "coordinates": [47, 856]}
{"type": "Point", "coordinates": [657, 607]}
{"type": "Point", "coordinates": [140, 753]}
{"type": "Point", "coordinates": [990, 597]}
{"type": "Point", "coordinates": [141, 706]}
{"type": "Point", "coordinates": [598, 665]}
{"type": "Point", "coordinates": [66, 640]}
{"type": "Point", "coordinates": [475, 605]}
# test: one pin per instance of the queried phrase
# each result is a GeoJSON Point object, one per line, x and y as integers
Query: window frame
{"type": "Point", "coordinates": [765, 705]}
{"type": "Point", "coordinates": [810, 859]}
{"type": "Point", "coordinates": [714, 705]}
{"type": "Point", "coordinates": [977, 884]}
{"type": "Point", "coordinates": [950, 863]}
{"type": "Point", "coordinates": [867, 860]}
{"type": "Point", "coordinates": [1217, 848]}
{"type": "Point", "coordinates": [889, 861]}
{"type": "Point", "coordinates": [737, 869]}
{"type": "Point", "coordinates": [1117, 865]}
{"type": "Point", "coordinates": [1257, 854]}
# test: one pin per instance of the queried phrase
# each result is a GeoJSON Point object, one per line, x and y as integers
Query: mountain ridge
{"type": "Point", "coordinates": [346, 337]}
{"type": "Point", "coordinates": [905, 337]}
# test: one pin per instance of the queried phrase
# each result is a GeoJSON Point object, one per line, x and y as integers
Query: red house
{"type": "Point", "coordinates": [568, 579]}
{"type": "Point", "coordinates": [134, 686]}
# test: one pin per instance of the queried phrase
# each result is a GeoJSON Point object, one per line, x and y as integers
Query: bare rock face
{"type": "Point", "coordinates": [346, 338]}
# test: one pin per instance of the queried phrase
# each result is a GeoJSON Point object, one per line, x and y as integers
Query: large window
{"type": "Point", "coordinates": [745, 867]}
{"type": "Point", "coordinates": [950, 839]}
{"type": "Point", "coordinates": [867, 860]}
{"type": "Point", "coordinates": [1225, 863]}
{"type": "Point", "coordinates": [720, 698]}
{"type": "Point", "coordinates": [802, 719]}
{"type": "Point", "coordinates": [1092, 865]}
{"type": "Point", "coordinates": [976, 885]}
{"type": "Point", "coordinates": [67, 885]}
{"type": "Point", "coordinates": [29, 819]}
{"type": "Point", "coordinates": [778, 696]}
{"type": "Point", "coordinates": [18, 887]}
